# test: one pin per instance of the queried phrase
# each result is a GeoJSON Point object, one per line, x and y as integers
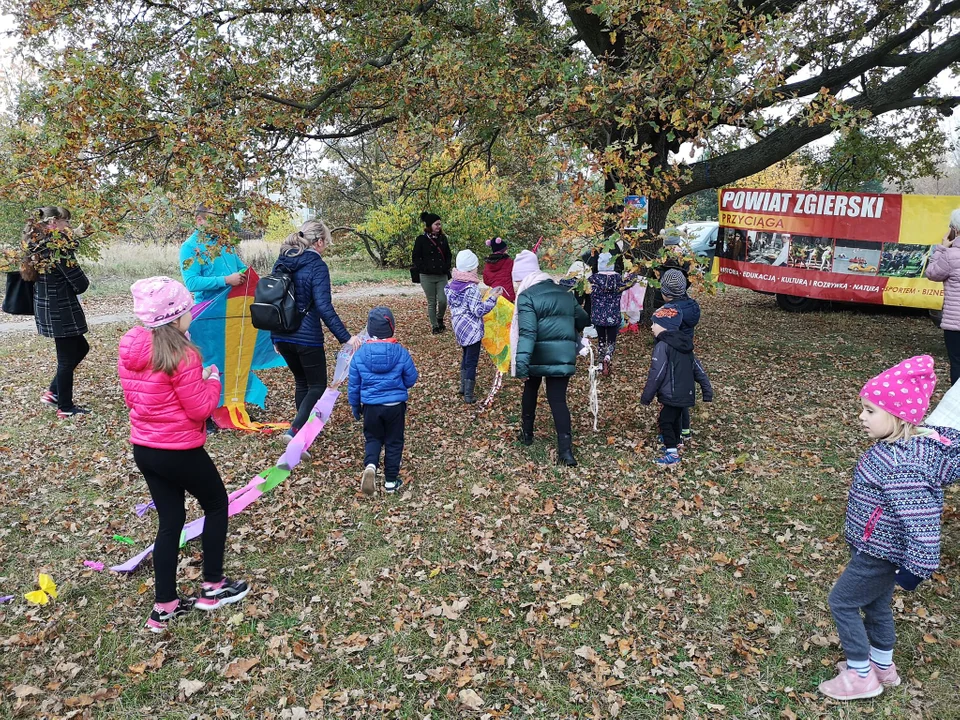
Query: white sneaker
{"type": "Point", "coordinates": [368, 481]}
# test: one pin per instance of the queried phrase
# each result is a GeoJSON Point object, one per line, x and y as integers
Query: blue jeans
{"type": "Point", "coordinates": [468, 366]}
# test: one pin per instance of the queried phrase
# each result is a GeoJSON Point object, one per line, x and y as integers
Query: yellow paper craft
{"type": "Point", "coordinates": [48, 589]}
{"type": "Point", "coordinates": [496, 333]}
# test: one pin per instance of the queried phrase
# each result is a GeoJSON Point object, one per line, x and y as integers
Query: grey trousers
{"type": "Point", "coordinates": [433, 286]}
{"type": "Point", "coordinates": [866, 584]}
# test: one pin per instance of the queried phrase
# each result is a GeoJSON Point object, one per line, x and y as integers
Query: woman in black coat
{"type": "Point", "coordinates": [51, 264]}
{"type": "Point", "coordinates": [431, 259]}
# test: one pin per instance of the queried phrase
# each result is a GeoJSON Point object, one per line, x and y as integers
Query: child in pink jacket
{"type": "Point", "coordinates": [944, 266]}
{"type": "Point", "coordinates": [170, 396]}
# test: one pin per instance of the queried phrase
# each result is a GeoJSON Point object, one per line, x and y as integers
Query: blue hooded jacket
{"type": "Point", "coordinates": [381, 372]}
{"type": "Point", "coordinates": [691, 313]}
{"type": "Point", "coordinates": [311, 286]}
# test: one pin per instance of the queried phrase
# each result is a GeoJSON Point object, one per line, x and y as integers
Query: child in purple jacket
{"type": "Point", "coordinates": [467, 308]}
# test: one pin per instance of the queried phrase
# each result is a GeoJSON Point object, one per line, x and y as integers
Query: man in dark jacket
{"type": "Point", "coordinates": [674, 374]}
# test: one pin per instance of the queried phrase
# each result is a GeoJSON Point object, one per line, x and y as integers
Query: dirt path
{"type": "Point", "coordinates": [125, 315]}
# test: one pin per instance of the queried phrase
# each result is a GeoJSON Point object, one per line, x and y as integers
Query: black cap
{"type": "Point", "coordinates": [428, 219]}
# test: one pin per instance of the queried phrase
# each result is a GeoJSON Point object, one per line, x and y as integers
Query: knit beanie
{"type": "Point", "coordinates": [605, 263]}
{"type": "Point", "coordinates": [668, 317]}
{"type": "Point", "coordinates": [160, 300]}
{"type": "Point", "coordinates": [673, 283]}
{"type": "Point", "coordinates": [428, 219]}
{"type": "Point", "coordinates": [497, 245]}
{"type": "Point", "coordinates": [380, 324]}
{"type": "Point", "coordinates": [524, 264]}
{"type": "Point", "coordinates": [467, 261]}
{"type": "Point", "coordinates": [904, 390]}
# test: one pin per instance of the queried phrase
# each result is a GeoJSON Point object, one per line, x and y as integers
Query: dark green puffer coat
{"type": "Point", "coordinates": [549, 320]}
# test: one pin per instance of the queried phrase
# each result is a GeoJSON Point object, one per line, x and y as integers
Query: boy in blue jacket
{"type": "Point", "coordinates": [674, 374]}
{"type": "Point", "coordinates": [381, 372]}
{"type": "Point", "coordinates": [673, 287]}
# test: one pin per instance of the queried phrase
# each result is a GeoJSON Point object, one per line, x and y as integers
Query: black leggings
{"type": "Point", "coordinates": [556, 396]}
{"type": "Point", "coordinates": [70, 352]}
{"type": "Point", "coordinates": [169, 474]}
{"type": "Point", "coordinates": [309, 367]}
{"type": "Point", "coordinates": [670, 425]}
{"type": "Point", "coordinates": [607, 339]}
{"type": "Point", "coordinates": [951, 338]}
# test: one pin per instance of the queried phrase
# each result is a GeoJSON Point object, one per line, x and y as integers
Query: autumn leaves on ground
{"type": "Point", "coordinates": [497, 585]}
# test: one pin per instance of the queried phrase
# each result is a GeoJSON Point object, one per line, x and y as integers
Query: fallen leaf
{"type": "Point", "coordinates": [470, 698]}
{"type": "Point", "coordinates": [238, 668]}
{"type": "Point", "coordinates": [572, 600]}
{"type": "Point", "coordinates": [190, 687]}
{"type": "Point", "coordinates": [22, 691]}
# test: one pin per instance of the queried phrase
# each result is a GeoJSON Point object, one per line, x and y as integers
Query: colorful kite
{"type": "Point", "coordinates": [496, 341]}
{"type": "Point", "coordinates": [240, 500]}
{"type": "Point", "coordinates": [222, 330]}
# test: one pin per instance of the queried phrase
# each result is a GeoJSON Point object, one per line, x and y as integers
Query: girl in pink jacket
{"type": "Point", "coordinates": [944, 267]}
{"type": "Point", "coordinates": [170, 395]}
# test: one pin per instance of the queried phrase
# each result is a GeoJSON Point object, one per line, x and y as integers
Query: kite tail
{"type": "Point", "coordinates": [594, 396]}
{"type": "Point", "coordinates": [494, 389]}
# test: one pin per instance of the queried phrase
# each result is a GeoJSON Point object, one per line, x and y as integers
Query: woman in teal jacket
{"type": "Point", "coordinates": [544, 340]}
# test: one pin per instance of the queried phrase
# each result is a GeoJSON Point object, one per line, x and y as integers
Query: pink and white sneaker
{"type": "Point", "coordinates": [225, 592]}
{"type": "Point", "coordinates": [159, 619]}
{"type": "Point", "coordinates": [848, 685]}
{"type": "Point", "coordinates": [48, 398]}
{"type": "Point", "coordinates": [887, 678]}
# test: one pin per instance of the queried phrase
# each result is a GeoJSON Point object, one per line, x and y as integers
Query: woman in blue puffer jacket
{"type": "Point", "coordinates": [303, 350]}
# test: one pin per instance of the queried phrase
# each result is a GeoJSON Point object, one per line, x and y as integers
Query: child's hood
{"type": "Point", "coordinates": [457, 292]}
{"type": "Point", "coordinates": [136, 349]}
{"type": "Point", "coordinates": [381, 358]}
{"type": "Point", "coordinates": [942, 447]}
{"type": "Point", "coordinates": [606, 282]}
{"type": "Point", "coordinates": [677, 340]}
{"type": "Point", "coordinates": [495, 258]}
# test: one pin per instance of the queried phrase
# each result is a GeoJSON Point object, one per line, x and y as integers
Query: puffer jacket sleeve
{"type": "Point", "coordinates": [410, 374]}
{"type": "Point", "coordinates": [527, 334]}
{"type": "Point", "coordinates": [580, 318]}
{"type": "Point", "coordinates": [353, 386]}
{"type": "Point", "coordinates": [907, 493]}
{"type": "Point", "coordinates": [657, 374]}
{"type": "Point", "coordinates": [198, 397]}
{"type": "Point", "coordinates": [324, 303]}
{"type": "Point", "coordinates": [944, 261]}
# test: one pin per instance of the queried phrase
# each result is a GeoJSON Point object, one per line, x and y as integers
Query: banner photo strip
{"type": "Point", "coordinates": [850, 247]}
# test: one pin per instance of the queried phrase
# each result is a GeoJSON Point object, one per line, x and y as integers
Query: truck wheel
{"type": "Point", "coordinates": [792, 303]}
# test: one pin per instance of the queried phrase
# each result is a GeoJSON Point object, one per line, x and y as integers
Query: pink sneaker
{"type": "Point", "coordinates": [887, 678]}
{"type": "Point", "coordinates": [848, 685]}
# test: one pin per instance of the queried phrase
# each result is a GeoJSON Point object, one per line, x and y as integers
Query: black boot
{"type": "Point", "coordinates": [565, 451]}
{"type": "Point", "coordinates": [468, 386]}
{"type": "Point", "coordinates": [462, 381]}
{"type": "Point", "coordinates": [526, 429]}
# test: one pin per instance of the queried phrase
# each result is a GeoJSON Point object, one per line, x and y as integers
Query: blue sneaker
{"type": "Point", "coordinates": [668, 458]}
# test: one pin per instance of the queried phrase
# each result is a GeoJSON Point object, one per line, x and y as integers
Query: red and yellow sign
{"type": "Point", "coordinates": [852, 247]}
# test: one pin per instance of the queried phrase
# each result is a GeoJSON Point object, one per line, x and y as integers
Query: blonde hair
{"type": "Point", "coordinates": [900, 430]}
{"type": "Point", "coordinates": [170, 347]}
{"type": "Point", "coordinates": [309, 234]}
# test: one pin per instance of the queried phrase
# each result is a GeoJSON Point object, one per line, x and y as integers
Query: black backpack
{"type": "Point", "coordinates": [274, 306]}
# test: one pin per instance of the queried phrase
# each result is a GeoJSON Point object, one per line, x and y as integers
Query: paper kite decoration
{"type": "Point", "coordinates": [48, 589]}
{"type": "Point", "coordinates": [222, 329]}
{"type": "Point", "coordinates": [496, 333]}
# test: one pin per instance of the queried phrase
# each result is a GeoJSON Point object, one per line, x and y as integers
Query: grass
{"type": "Point", "coordinates": [124, 262]}
{"type": "Point", "coordinates": [702, 591]}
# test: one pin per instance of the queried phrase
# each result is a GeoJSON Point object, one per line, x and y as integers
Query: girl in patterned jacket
{"type": "Point", "coordinates": [892, 522]}
{"type": "Point", "coordinates": [467, 308]}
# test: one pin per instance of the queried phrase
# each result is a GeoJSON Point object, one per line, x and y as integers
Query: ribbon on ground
{"type": "Point", "coordinates": [239, 500]}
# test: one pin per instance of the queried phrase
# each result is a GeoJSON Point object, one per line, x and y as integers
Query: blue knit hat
{"type": "Point", "coordinates": [669, 317]}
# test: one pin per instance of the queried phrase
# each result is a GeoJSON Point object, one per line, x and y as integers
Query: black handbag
{"type": "Point", "coordinates": [18, 299]}
{"type": "Point", "coordinates": [414, 275]}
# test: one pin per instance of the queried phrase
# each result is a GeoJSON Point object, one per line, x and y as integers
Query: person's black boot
{"type": "Point", "coordinates": [565, 451]}
{"type": "Point", "coordinates": [462, 381]}
{"type": "Point", "coordinates": [526, 429]}
{"type": "Point", "coordinates": [468, 386]}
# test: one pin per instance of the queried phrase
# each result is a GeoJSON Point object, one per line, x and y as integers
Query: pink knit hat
{"type": "Point", "coordinates": [904, 390]}
{"type": "Point", "coordinates": [160, 300]}
{"type": "Point", "coordinates": [524, 264]}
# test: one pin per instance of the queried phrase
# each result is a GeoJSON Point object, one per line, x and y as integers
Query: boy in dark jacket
{"type": "Point", "coordinates": [674, 371]}
{"type": "Point", "coordinates": [673, 286]}
{"type": "Point", "coordinates": [381, 372]}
